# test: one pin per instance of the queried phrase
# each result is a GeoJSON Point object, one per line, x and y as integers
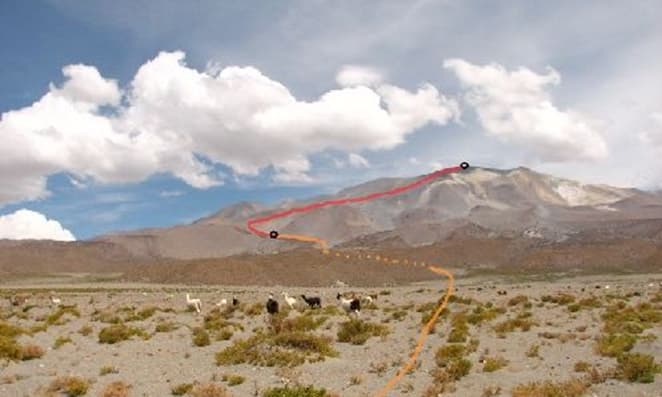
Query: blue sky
{"type": "Point", "coordinates": [273, 100]}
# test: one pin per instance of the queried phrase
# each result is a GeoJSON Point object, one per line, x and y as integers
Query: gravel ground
{"type": "Point", "coordinates": [153, 366]}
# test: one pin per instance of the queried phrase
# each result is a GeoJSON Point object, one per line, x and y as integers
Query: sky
{"type": "Point", "coordinates": [132, 114]}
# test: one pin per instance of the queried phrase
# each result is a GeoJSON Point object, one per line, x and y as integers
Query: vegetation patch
{"type": "Point", "coordinates": [484, 313]}
{"type": "Point", "coordinates": [61, 341]}
{"type": "Point", "coordinates": [460, 329]}
{"type": "Point", "coordinates": [233, 379]}
{"type": "Point", "coordinates": [287, 349]}
{"type": "Point", "coordinates": [494, 364]}
{"type": "Point", "coordinates": [208, 390]}
{"type": "Point", "coordinates": [570, 388]}
{"type": "Point", "coordinates": [620, 318]}
{"type": "Point", "coordinates": [638, 367]}
{"type": "Point", "coordinates": [165, 326]}
{"type": "Point", "coordinates": [613, 345]}
{"type": "Point", "coordinates": [31, 352]}
{"type": "Point", "coordinates": [200, 337]}
{"type": "Point", "coordinates": [181, 389]}
{"type": "Point", "coordinates": [523, 322]}
{"type": "Point", "coordinates": [116, 389]}
{"type": "Point", "coordinates": [70, 386]}
{"type": "Point", "coordinates": [562, 299]}
{"type": "Point", "coordinates": [295, 391]}
{"type": "Point", "coordinates": [56, 318]}
{"type": "Point", "coordinates": [357, 332]}
{"type": "Point", "coordinates": [120, 332]}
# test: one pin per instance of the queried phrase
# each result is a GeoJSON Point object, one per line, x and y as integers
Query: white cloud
{"type": "Point", "coordinates": [173, 118]}
{"type": "Point", "coordinates": [358, 161]}
{"type": "Point", "coordinates": [25, 224]}
{"type": "Point", "coordinates": [515, 107]}
{"type": "Point", "coordinates": [653, 135]}
{"type": "Point", "coordinates": [353, 75]}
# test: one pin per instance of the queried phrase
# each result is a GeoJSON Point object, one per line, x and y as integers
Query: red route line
{"type": "Point", "coordinates": [352, 200]}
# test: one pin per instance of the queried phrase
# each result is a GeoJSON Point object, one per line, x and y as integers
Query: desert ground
{"type": "Point", "coordinates": [519, 336]}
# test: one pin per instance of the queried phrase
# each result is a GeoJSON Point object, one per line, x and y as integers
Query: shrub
{"type": "Point", "coordinates": [533, 351]}
{"type": "Point", "coordinates": [108, 369]}
{"type": "Point", "coordinates": [559, 299]}
{"type": "Point", "coordinates": [460, 331]}
{"type": "Point", "coordinates": [61, 341]}
{"type": "Point", "coordinates": [9, 348]}
{"type": "Point", "coordinates": [357, 332]}
{"type": "Point", "coordinates": [165, 326]}
{"type": "Point", "coordinates": [613, 345]}
{"type": "Point", "coordinates": [119, 332]}
{"type": "Point", "coordinates": [56, 317]}
{"type": "Point", "coordinates": [295, 391]}
{"type": "Point", "coordinates": [458, 368]}
{"type": "Point", "coordinates": [638, 367]}
{"type": "Point", "coordinates": [85, 330]}
{"type": "Point", "coordinates": [518, 300]}
{"type": "Point", "coordinates": [284, 349]}
{"type": "Point", "coordinates": [233, 380]}
{"type": "Point", "coordinates": [254, 310]}
{"type": "Point", "coordinates": [116, 389]}
{"type": "Point", "coordinates": [30, 352]}
{"type": "Point", "coordinates": [208, 390]}
{"type": "Point", "coordinates": [71, 386]}
{"type": "Point", "coordinates": [522, 321]}
{"type": "Point", "coordinates": [494, 363]}
{"type": "Point", "coordinates": [200, 337]}
{"type": "Point", "coordinates": [181, 389]}
{"type": "Point", "coordinates": [570, 388]}
{"type": "Point", "coordinates": [448, 353]}
{"type": "Point", "coordinates": [481, 314]}
{"type": "Point", "coordinates": [620, 318]}
{"type": "Point", "coordinates": [582, 366]}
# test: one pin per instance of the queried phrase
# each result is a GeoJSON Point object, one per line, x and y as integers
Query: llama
{"type": "Point", "coordinates": [272, 305]}
{"type": "Point", "coordinates": [54, 300]}
{"type": "Point", "coordinates": [352, 305]}
{"type": "Point", "coordinates": [18, 300]}
{"type": "Point", "coordinates": [235, 301]}
{"type": "Point", "coordinates": [223, 302]}
{"type": "Point", "coordinates": [289, 300]}
{"type": "Point", "coordinates": [194, 303]}
{"type": "Point", "coordinates": [313, 301]}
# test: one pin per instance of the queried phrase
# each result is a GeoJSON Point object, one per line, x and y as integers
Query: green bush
{"type": "Point", "coordinates": [357, 332]}
{"type": "Point", "coordinates": [201, 337]}
{"type": "Point", "coordinates": [119, 332]}
{"type": "Point", "coordinates": [295, 391]}
{"type": "Point", "coordinates": [638, 367]}
{"type": "Point", "coordinates": [613, 345]}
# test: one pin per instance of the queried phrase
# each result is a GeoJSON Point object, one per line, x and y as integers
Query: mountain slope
{"type": "Point", "coordinates": [518, 203]}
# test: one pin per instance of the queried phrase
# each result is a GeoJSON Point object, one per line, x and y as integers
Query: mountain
{"type": "Point", "coordinates": [478, 202]}
{"type": "Point", "coordinates": [472, 220]}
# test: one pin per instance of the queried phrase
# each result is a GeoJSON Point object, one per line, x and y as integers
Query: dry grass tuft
{"type": "Point", "coordinates": [208, 390]}
{"type": "Point", "coordinates": [70, 386]}
{"type": "Point", "coordinates": [116, 389]}
{"type": "Point", "coordinates": [570, 388]}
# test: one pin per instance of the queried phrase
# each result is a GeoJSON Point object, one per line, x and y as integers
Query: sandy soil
{"type": "Point", "coordinates": [153, 366]}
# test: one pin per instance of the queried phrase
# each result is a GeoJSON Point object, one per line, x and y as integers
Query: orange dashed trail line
{"type": "Point", "coordinates": [323, 245]}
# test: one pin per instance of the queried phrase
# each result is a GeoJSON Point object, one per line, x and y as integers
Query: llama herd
{"type": "Point", "coordinates": [349, 302]}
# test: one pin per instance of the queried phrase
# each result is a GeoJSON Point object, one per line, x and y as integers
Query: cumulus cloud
{"type": "Point", "coordinates": [353, 75]}
{"type": "Point", "coordinates": [515, 107]}
{"type": "Point", "coordinates": [25, 224]}
{"type": "Point", "coordinates": [653, 135]}
{"type": "Point", "coordinates": [173, 118]}
{"type": "Point", "coordinates": [358, 161]}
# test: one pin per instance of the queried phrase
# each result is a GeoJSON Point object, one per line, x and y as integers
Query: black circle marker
{"type": "Point", "coordinates": [464, 165]}
{"type": "Point", "coordinates": [273, 234]}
